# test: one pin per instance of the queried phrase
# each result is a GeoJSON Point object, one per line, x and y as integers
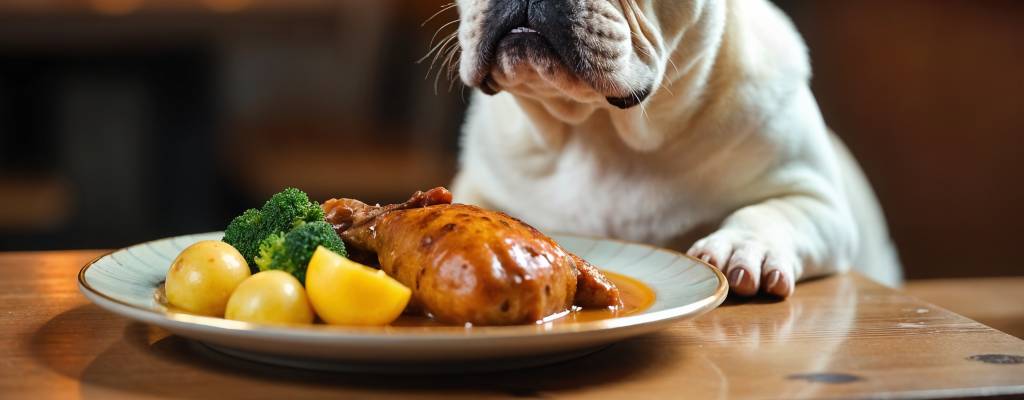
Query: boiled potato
{"type": "Point", "coordinates": [203, 276]}
{"type": "Point", "coordinates": [270, 297]}
{"type": "Point", "coordinates": [344, 292]}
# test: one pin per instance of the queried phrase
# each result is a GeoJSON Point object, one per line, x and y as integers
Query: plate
{"type": "Point", "coordinates": [126, 282]}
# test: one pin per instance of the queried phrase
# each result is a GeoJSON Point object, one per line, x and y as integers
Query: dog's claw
{"type": "Point", "coordinates": [737, 281]}
{"type": "Point", "coordinates": [777, 285]}
{"type": "Point", "coordinates": [773, 279]}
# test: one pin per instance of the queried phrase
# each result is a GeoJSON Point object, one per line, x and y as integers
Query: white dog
{"type": "Point", "coordinates": [682, 123]}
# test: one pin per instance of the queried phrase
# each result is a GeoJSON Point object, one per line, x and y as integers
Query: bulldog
{"type": "Point", "coordinates": [688, 124]}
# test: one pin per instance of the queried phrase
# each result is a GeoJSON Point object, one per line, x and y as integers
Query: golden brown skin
{"type": "Point", "coordinates": [466, 264]}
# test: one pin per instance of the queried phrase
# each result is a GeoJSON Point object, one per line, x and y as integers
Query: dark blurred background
{"type": "Point", "coordinates": [128, 120]}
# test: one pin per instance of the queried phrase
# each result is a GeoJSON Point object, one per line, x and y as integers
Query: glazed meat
{"type": "Point", "coordinates": [467, 264]}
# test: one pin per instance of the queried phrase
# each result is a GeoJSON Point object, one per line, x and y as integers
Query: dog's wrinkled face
{"type": "Point", "coordinates": [583, 50]}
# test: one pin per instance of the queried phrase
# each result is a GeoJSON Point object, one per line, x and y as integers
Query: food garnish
{"type": "Point", "coordinates": [291, 252]}
{"type": "Point", "coordinates": [348, 293]}
{"type": "Point", "coordinates": [279, 215]}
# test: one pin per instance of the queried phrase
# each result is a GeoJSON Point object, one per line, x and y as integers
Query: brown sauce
{"type": "Point", "coordinates": [636, 297]}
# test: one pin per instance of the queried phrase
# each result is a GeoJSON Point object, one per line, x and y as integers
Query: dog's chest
{"type": "Point", "coordinates": [606, 193]}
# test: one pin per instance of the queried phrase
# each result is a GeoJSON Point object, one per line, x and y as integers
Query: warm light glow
{"type": "Point", "coordinates": [116, 7]}
{"type": "Point", "coordinates": [227, 6]}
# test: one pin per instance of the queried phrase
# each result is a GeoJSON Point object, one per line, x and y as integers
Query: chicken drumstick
{"type": "Point", "coordinates": [466, 264]}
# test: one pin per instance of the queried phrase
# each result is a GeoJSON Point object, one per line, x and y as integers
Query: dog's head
{"type": "Point", "coordinates": [610, 51]}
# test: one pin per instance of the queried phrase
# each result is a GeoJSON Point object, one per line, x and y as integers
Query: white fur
{"type": "Point", "coordinates": [729, 158]}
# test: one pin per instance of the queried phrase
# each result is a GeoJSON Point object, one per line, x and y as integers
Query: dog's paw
{"type": "Point", "coordinates": [751, 264]}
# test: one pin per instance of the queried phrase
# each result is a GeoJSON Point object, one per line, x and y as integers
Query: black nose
{"type": "Point", "coordinates": [529, 13]}
{"type": "Point", "coordinates": [623, 102]}
{"type": "Point", "coordinates": [556, 20]}
{"type": "Point", "coordinates": [552, 19]}
{"type": "Point", "coordinates": [629, 101]}
{"type": "Point", "coordinates": [554, 16]}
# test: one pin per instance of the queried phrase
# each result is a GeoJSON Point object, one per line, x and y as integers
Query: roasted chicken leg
{"type": "Point", "coordinates": [465, 264]}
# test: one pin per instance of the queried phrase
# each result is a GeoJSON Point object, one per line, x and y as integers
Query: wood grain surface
{"type": "Point", "coordinates": [840, 337]}
{"type": "Point", "coordinates": [996, 302]}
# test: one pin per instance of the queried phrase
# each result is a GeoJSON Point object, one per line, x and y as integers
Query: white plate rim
{"type": "Point", "coordinates": [328, 333]}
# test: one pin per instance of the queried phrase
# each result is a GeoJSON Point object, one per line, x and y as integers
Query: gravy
{"type": "Point", "coordinates": [636, 297]}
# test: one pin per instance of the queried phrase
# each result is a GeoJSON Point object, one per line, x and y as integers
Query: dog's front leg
{"type": "Point", "coordinates": [771, 245]}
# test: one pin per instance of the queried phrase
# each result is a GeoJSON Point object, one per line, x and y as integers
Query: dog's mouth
{"type": "Point", "coordinates": [512, 40]}
{"type": "Point", "coordinates": [520, 45]}
{"type": "Point", "coordinates": [538, 36]}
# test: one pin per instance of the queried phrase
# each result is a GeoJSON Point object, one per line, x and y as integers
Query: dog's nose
{"type": "Point", "coordinates": [548, 12]}
{"type": "Point", "coordinates": [623, 102]}
{"type": "Point", "coordinates": [631, 100]}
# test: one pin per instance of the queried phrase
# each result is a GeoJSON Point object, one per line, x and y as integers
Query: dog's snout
{"type": "Point", "coordinates": [581, 48]}
{"type": "Point", "coordinates": [551, 19]}
{"type": "Point", "coordinates": [544, 16]}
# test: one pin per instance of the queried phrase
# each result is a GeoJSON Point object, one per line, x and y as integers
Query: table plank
{"type": "Point", "coordinates": [839, 337]}
{"type": "Point", "coordinates": [996, 302]}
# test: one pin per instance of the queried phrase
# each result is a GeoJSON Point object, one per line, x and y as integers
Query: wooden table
{"type": "Point", "coordinates": [996, 302]}
{"type": "Point", "coordinates": [838, 337]}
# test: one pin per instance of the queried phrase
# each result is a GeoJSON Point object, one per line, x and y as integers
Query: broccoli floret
{"type": "Point", "coordinates": [244, 234]}
{"type": "Point", "coordinates": [279, 215]}
{"type": "Point", "coordinates": [288, 209]}
{"type": "Point", "coordinates": [291, 252]}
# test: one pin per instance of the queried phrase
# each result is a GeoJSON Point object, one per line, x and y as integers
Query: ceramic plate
{"type": "Point", "coordinates": [127, 281]}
